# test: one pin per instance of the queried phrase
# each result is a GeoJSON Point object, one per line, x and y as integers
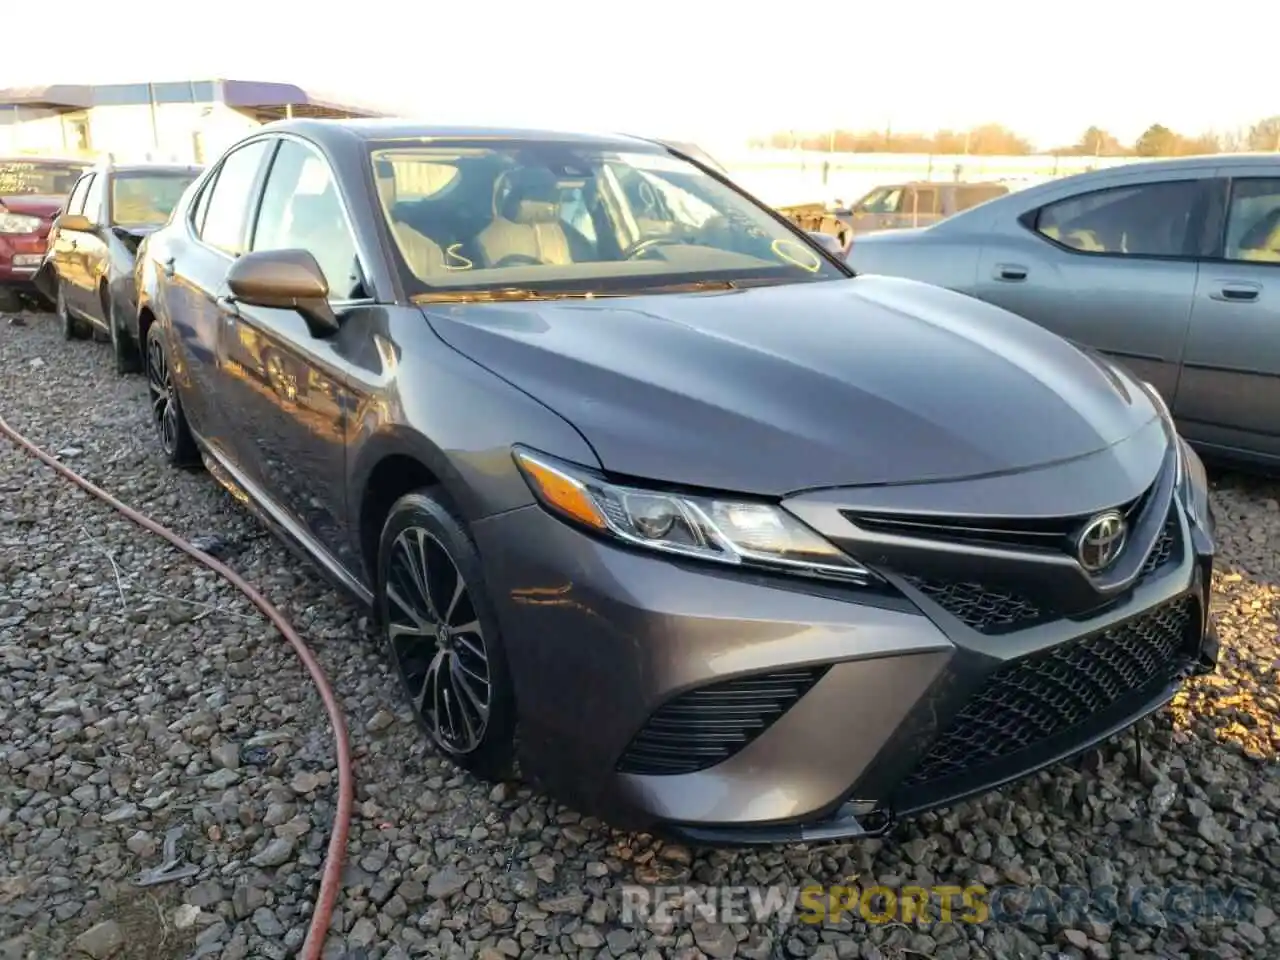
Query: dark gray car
{"type": "Point", "coordinates": [88, 269]}
{"type": "Point", "coordinates": [1172, 267]}
{"type": "Point", "coordinates": [739, 544]}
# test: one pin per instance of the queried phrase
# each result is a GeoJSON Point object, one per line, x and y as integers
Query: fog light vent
{"type": "Point", "coordinates": [706, 726]}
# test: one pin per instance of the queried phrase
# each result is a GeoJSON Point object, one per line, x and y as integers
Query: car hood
{"type": "Point", "coordinates": [774, 390]}
{"type": "Point", "coordinates": [901, 235]}
{"type": "Point", "coordinates": [35, 205]}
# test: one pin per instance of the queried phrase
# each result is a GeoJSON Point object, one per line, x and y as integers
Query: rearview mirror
{"type": "Point", "coordinates": [285, 279]}
{"type": "Point", "coordinates": [74, 221]}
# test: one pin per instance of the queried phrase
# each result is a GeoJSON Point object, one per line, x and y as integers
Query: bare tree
{"type": "Point", "coordinates": [1265, 135]}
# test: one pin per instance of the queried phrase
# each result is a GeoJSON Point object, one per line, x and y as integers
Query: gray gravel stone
{"type": "Point", "coordinates": [100, 941]}
{"type": "Point", "coordinates": [138, 692]}
{"type": "Point", "coordinates": [278, 851]}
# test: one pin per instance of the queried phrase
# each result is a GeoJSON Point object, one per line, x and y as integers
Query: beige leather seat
{"type": "Point", "coordinates": [526, 221]}
{"type": "Point", "coordinates": [1261, 244]}
{"type": "Point", "coordinates": [1079, 239]}
{"type": "Point", "coordinates": [423, 255]}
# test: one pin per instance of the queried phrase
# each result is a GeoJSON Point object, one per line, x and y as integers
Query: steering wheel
{"type": "Point", "coordinates": [645, 244]}
{"type": "Point", "coordinates": [518, 260]}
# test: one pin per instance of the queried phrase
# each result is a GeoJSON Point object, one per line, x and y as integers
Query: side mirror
{"type": "Point", "coordinates": [74, 221]}
{"type": "Point", "coordinates": [827, 242]}
{"type": "Point", "coordinates": [285, 279]}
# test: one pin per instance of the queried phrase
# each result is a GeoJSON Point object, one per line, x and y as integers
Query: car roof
{"type": "Point", "coordinates": [1171, 165]}
{"type": "Point", "coordinates": [382, 129]}
{"type": "Point", "coordinates": [1198, 160]}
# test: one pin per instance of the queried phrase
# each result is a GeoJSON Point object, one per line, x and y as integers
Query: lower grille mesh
{"type": "Point", "coordinates": [984, 609]}
{"type": "Point", "coordinates": [703, 727]}
{"type": "Point", "coordinates": [1037, 697]}
{"type": "Point", "coordinates": [1164, 549]}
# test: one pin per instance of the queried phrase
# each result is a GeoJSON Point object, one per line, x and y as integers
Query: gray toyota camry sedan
{"type": "Point", "coordinates": [650, 493]}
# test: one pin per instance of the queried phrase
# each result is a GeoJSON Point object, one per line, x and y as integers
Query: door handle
{"type": "Point", "coordinates": [167, 266]}
{"type": "Point", "coordinates": [1241, 292]}
{"type": "Point", "coordinates": [1010, 272]}
{"type": "Point", "coordinates": [71, 244]}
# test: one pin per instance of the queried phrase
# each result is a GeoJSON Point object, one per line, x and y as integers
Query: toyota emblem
{"type": "Point", "coordinates": [1101, 541]}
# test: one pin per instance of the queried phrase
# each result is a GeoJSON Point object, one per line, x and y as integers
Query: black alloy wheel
{"type": "Point", "coordinates": [442, 637]}
{"type": "Point", "coordinates": [166, 409]}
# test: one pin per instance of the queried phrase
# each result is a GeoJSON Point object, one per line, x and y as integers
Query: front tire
{"type": "Point", "coordinates": [166, 409]}
{"type": "Point", "coordinates": [123, 349]}
{"type": "Point", "coordinates": [442, 635]}
{"type": "Point", "coordinates": [72, 329]}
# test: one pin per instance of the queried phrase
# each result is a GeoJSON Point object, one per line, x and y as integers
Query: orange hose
{"type": "Point", "coordinates": [332, 872]}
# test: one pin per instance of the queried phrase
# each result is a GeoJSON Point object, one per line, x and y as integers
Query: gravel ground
{"type": "Point", "coordinates": [139, 693]}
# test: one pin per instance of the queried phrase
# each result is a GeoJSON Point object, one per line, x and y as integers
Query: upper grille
{"type": "Point", "coordinates": [1042, 695]}
{"type": "Point", "coordinates": [703, 727]}
{"type": "Point", "coordinates": [993, 611]}
{"type": "Point", "coordinates": [1049, 535]}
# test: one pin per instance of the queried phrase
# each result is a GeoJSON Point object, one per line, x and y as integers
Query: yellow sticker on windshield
{"type": "Point", "coordinates": [794, 253]}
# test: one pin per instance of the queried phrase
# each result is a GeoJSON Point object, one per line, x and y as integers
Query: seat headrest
{"type": "Point", "coordinates": [315, 212]}
{"type": "Point", "coordinates": [385, 176]}
{"type": "Point", "coordinates": [533, 196]}
{"type": "Point", "coordinates": [1258, 235]}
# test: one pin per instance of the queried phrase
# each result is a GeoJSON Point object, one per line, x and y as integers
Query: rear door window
{"type": "Point", "coordinates": [1253, 221]}
{"type": "Point", "coordinates": [1150, 219]}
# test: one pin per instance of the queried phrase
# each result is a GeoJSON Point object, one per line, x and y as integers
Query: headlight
{"type": "Point", "coordinates": [18, 223]}
{"type": "Point", "coordinates": [735, 532]}
{"type": "Point", "coordinates": [1175, 439]}
{"type": "Point", "coordinates": [1161, 406]}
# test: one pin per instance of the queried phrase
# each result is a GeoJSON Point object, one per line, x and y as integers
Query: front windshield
{"type": "Point", "coordinates": [38, 177]}
{"type": "Point", "coordinates": [880, 200]}
{"type": "Point", "coordinates": [477, 216]}
{"type": "Point", "coordinates": [146, 198]}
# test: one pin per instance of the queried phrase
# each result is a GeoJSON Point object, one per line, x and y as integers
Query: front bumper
{"type": "Point", "coordinates": [749, 708]}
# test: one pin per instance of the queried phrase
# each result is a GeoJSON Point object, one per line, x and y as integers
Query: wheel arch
{"type": "Point", "coordinates": [104, 298]}
{"type": "Point", "coordinates": [146, 318]}
{"type": "Point", "coordinates": [388, 466]}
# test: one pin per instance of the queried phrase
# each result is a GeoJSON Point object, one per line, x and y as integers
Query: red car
{"type": "Point", "coordinates": [32, 190]}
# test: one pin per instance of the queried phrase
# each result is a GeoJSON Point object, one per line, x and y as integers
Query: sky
{"type": "Point", "coordinates": [711, 70]}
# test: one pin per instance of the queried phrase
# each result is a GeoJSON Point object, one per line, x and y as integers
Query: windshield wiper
{"type": "Point", "coordinates": [517, 294]}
